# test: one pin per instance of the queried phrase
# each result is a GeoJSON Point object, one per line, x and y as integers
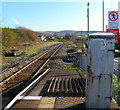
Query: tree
{"type": "Point", "coordinates": [67, 36]}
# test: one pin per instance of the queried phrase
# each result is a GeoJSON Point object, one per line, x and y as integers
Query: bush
{"type": "Point", "coordinates": [26, 34]}
{"type": "Point", "coordinates": [117, 46]}
{"type": "Point", "coordinates": [14, 37]}
{"type": "Point", "coordinates": [9, 39]}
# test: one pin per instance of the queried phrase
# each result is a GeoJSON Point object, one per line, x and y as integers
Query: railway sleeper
{"type": "Point", "coordinates": [70, 87]}
{"type": "Point", "coordinates": [49, 91]}
{"type": "Point", "coordinates": [76, 91]}
{"type": "Point", "coordinates": [81, 83]}
{"type": "Point", "coordinates": [62, 86]}
{"type": "Point", "coordinates": [78, 86]}
{"type": "Point", "coordinates": [54, 86]}
{"type": "Point", "coordinates": [65, 87]}
{"type": "Point", "coordinates": [58, 86]}
{"type": "Point", "coordinates": [82, 91]}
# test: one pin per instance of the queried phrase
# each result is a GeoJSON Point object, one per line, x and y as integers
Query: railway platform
{"type": "Point", "coordinates": [58, 87]}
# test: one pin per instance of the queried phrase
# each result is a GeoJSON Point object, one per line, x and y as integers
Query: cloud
{"type": "Point", "coordinates": [34, 28]}
{"type": "Point", "coordinates": [16, 22]}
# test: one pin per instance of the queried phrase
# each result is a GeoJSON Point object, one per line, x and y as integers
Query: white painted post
{"type": "Point", "coordinates": [119, 16]}
{"type": "Point", "coordinates": [100, 70]}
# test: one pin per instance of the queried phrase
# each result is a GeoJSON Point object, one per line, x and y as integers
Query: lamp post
{"type": "Point", "coordinates": [88, 18]}
{"type": "Point", "coordinates": [103, 13]}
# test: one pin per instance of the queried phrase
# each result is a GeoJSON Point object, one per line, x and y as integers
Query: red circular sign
{"type": "Point", "coordinates": [113, 16]}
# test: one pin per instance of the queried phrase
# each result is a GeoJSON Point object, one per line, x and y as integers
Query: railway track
{"type": "Point", "coordinates": [66, 87]}
{"type": "Point", "coordinates": [22, 95]}
{"type": "Point", "coordinates": [28, 73]}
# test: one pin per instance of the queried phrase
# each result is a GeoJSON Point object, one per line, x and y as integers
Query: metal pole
{"type": "Point", "coordinates": [88, 17]}
{"type": "Point", "coordinates": [103, 13]}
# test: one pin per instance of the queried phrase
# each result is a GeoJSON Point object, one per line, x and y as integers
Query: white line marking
{"type": "Point", "coordinates": [116, 61]}
{"type": "Point", "coordinates": [29, 97]}
{"type": "Point", "coordinates": [117, 51]}
{"type": "Point", "coordinates": [17, 96]}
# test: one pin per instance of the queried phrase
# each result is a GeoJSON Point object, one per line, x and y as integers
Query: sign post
{"type": "Point", "coordinates": [116, 32]}
{"type": "Point", "coordinates": [113, 24]}
{"type": "Point", "coordinates": [113, 19]}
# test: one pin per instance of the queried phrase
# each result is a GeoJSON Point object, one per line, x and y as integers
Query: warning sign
{"type": "Point", "coordinates": [113, 19]}
{"type": "Point", "coordinates": [116, 32]}
{"type": "Point", "coordinates": [113, 16]}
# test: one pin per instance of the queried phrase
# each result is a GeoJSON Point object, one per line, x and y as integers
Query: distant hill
{"type": "Point", "coordinates": [63, 32]}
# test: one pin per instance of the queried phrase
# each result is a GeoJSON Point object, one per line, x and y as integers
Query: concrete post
{"type": "Point", "coordinates": [100, 69]}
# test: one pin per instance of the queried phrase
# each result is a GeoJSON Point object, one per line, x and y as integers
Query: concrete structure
{"type": "Point", "coordinates": [100, 69]}
{"type": "Point", "coordinates": [83, 62]}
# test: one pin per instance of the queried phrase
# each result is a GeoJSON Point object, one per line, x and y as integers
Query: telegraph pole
{"type": "Point", "coordinates": [88, 18]}
{"type": "Point", "coordinates": [103, 13]}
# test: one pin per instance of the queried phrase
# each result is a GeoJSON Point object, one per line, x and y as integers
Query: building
{"type": "Point", "coordinates": [42, 37]}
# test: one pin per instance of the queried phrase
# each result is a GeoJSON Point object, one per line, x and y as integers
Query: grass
{"type": "Point", "coordinates": [69, 46]}
{"type": "Point", "coordinates": [5, 61]}
{"type": "Point", "coordinates": [33, 49]}
{"type": "Point", "coordinates": [71, 66]}
{"type": "Point", "coordinates": [75, 67]}
{"type": "Point", "coordinates": [116, 83]}
{"type": "Point", "coordinates": [36, 48]}
{"type": "Point", "coordinates": [28, 50]}
{"type": "Point", "coordinates": [5, 64]}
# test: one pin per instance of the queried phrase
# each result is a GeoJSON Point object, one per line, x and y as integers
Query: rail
{"type": "Point", "coordinates": [25, 75]}
{"type": "Point", "coordinates": [17, 97]}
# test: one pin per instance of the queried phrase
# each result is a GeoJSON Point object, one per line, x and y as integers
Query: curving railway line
{"type": "Point", "coordinates": [28, 73]}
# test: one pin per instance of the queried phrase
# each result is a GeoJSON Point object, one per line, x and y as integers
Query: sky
{"type": "Point", "coordinates": [55, 15]}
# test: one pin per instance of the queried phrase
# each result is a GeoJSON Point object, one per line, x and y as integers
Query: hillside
{"type": "Point", "coordinates": [21, 40]}
{"type": "Point", "coordinates": [14, 37]}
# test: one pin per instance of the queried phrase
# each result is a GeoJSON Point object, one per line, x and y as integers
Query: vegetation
{"type": "Point", "coordinates": [116, 89]}
{"type": "Point", "coordinates": [9, 39]}
{"type": "Point", "coordinates": [36, 47]}
{"type": "Point", "coordinates": [57, 40]}
{"type": "Point", "coordinates": [14, 37]}
{"type": "Point", "coordinates": [116, 83]}
{"type": "Point", "coordinates": [71, 37]}
{"type": "Point", "coordinates": [26, 34]}
{"type": "Point", "coordinates": [20, 39]}
{"type": "Point", "coordinates": [117, 46]}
